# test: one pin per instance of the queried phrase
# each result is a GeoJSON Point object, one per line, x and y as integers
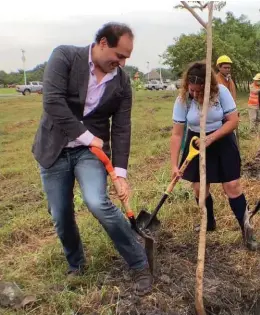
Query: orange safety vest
{"type": "Point", "coordinates": [253, 96]}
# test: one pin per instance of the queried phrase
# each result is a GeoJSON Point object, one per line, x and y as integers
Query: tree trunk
{"type": "Point", "coordinates": [202, 237]}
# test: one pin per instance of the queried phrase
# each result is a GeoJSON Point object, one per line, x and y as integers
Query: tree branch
{"type": "Point", "coordinates": [185, 4]}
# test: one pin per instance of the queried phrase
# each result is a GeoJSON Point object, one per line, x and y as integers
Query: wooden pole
{"type": "Point", "coordinates": [202, 236]}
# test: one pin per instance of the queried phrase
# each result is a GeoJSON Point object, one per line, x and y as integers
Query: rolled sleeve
{"type": "Point", "coordinates": [179, 111]}
{"type": "Point", "coordinates": [86, 138]}
{"type": "Point", "coordinates": [120, 172]}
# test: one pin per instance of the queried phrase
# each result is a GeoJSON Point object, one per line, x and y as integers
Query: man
{"type": "Point", "coordinates": [224, 75]}
{"type": "Point", "coordinates": [82, 89]}
{"type": "Point", "coordinates": [253, 103]}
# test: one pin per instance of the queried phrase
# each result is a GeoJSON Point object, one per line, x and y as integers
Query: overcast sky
{"type": "Point", "coordinates": [38, 27]}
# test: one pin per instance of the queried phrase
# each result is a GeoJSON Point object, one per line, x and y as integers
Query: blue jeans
{"type": "Point", "coordinates": [58, 183]}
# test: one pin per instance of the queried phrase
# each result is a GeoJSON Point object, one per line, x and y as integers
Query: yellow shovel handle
{"type": "Point", "coordinates": [193, 151]}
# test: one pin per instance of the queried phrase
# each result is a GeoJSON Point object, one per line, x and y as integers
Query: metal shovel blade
{"type": "Point", "coordinates": [144, 217]}
{"type": "Point", "coordinates": [150, 249]}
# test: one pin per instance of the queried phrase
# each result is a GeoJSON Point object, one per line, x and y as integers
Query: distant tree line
{"type": "Point", "coordinates": [36, 74]}
{"type": "Point", "coordinates": [236, 37]}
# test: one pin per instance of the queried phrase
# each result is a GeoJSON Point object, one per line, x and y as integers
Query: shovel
{"type": "Point", "coordinates": [248, 216]}
{"type": "Point", "coordinates": [149, 241]}
{"type": "Point", "coordinates": [146, 220]}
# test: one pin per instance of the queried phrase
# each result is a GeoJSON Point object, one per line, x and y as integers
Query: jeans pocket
{"type": "Point", "coordinates": [62, 164]}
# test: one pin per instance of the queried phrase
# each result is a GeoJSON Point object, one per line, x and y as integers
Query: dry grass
{"type": "Point", "coordinates": [31, 255]}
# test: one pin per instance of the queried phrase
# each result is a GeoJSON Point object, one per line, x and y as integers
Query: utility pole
{"type": "Point", "coordinates": [160, 63]}
{"type": "Point", "coordinates": [148, 69]}
{"type": "Point", "coordinates": [23, 60]}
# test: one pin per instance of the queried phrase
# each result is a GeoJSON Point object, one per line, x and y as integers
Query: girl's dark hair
{"type": "Point", "coordinates": [196, 74]}
{"type": "Point", "coordinates": [112, 31]}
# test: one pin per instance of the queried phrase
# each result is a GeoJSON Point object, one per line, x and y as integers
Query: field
{"type": "Point", "coordinates": [7, 91]}
{"type": "Point", "coordinates": [31, 255]}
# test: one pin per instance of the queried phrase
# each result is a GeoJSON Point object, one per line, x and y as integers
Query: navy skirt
{"type": "Point", "coordinates": [223, 162]}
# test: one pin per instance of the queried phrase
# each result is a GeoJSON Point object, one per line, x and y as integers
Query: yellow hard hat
{"type": "Point", "coordinates": [224, 59]}
{"type": "Point", "coordinates": [257, 77]}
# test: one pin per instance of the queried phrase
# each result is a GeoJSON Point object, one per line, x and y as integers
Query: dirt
{"type": "Point", "coordinates": [228, 290]}
{"type": "Point", "coordinates": [252, 169]}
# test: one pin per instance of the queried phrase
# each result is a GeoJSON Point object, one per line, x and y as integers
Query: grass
{"type": "Point", "coordinates": [7, 91]}
{"type": "Point", "coordinates": [31, 255]}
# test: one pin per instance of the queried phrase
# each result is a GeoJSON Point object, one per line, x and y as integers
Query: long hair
{"type": "Point", "coordinates": [196, 74]}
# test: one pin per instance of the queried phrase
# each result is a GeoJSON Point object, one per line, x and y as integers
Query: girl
{"type": "Point", "coordinates": [222, 155]}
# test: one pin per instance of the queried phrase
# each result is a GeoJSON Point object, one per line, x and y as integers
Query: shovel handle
{"type": "Point", "coordinates": [193, 151]}
{"type": "Point", "coordinates": [100, 154]}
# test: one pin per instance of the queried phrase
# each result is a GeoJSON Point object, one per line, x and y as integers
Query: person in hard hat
{"type": "Point", "coordinates": [253, 103]}
{"type": "Point", "coordinates": [224, 74]}
{"type": "Point", "coordinates": [222, 154]}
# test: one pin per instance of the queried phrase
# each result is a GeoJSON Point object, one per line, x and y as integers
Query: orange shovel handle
{"type": "Point", "coordinates": [100, 154]}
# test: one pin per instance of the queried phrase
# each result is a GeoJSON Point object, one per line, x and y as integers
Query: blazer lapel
{"type": "Point", "coordinates": [83, 76]}
{"type": "Point", "coordinates": [110, 89]}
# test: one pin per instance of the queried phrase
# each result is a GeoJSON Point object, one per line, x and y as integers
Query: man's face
{"type": "Point", "coordinates": [257, 82]}
{"type": "Point", "coordinates": [111, 58]}
{"type": "Point", "coordinates": [225, 69]}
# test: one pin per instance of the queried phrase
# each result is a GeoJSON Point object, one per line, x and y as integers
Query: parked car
{"type": "Point", "coordinates": [171, 87]}
{"type": "Point", "coordinates": [178, 83]}
{"type": "Point", "coordinates": [155, 85]}
{"type": "Point", "coordinates": [32, 87]}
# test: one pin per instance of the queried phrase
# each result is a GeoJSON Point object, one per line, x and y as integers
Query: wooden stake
{"type": "Point", "coordinates": [203, 226]}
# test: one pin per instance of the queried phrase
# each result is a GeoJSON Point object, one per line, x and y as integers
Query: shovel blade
{"type": "Point", "coordinates": [143, 218]}
{"type": "Point", "coordinates": [150, 249]}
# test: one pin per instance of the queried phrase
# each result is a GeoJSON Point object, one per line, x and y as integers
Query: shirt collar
{"type": "Point", "coordinates": [92, 66]}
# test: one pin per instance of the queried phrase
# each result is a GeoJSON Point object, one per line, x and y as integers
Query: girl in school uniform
{"type": "Point", "coordinates": [223, 164]}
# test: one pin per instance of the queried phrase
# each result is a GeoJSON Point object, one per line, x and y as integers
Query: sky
{"type": "Point", "coordinates": [38, 27]}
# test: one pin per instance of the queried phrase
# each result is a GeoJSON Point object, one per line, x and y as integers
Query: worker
{"type": "Point", "coordinates": [253, 103]}
{"type": "Point", "coordinates": [224, 75]}
{"type": "Point", "coordinates": [222, 155]}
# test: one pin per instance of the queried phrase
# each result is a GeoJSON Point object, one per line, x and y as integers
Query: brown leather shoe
{"type": "Point", "coordinates": [72, 274]}
{"type": "Point", "coordinates": [143, 281]}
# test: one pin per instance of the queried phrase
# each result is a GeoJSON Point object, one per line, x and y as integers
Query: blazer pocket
{"type": "Point", "coordinates": [47, 124]}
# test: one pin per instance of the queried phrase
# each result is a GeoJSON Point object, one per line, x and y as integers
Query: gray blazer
{"type": "Point", "coordinates": [65, 86]}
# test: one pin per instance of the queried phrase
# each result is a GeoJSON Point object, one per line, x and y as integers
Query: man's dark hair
{"type": "Point", "coordinates": [112, 32]}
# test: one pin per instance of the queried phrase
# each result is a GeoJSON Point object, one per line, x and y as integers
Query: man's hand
{"type": "Point", "coordinates": [125, 189]}
{"type": "Point", "coordinates": [96, 142]}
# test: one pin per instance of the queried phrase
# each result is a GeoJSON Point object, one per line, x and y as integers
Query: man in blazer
{"type": "Point", "coordinates": [82, 89]}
